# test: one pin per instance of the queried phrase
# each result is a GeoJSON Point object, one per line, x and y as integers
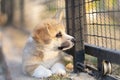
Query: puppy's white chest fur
{"type": "Point", "coordinates": [50, 58]}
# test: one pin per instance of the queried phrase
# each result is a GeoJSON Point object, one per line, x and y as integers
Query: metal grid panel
{"type": "Point", "coordinates": [103, 29]}
{"type": "Point", "coordinates": [102, 22]}
{"type": "Point", "coordinates": [54, 6]}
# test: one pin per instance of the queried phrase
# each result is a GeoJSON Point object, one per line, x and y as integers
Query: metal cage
{"type": "Point", "coordinates": [95, 25]}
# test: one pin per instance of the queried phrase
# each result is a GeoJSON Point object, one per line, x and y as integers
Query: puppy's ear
{"type": "Point", "coordinates": [59, 15]}
{"type": "Point", "coordinates": [41, 35]}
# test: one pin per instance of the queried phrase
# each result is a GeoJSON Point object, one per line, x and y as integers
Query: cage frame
{"type": "Point", "coordinates": [100, 53]}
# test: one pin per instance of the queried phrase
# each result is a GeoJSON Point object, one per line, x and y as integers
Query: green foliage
{"type": "Point", "coordinates": [91, 60]}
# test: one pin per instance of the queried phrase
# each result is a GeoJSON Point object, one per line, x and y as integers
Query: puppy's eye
{"type": "Point", "coordinates": [58, 35]}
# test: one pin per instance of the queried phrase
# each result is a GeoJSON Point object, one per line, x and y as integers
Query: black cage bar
{"type": "Point", "coordinates": [74, 21]}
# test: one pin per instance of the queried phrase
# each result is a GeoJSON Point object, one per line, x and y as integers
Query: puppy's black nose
{"type": "Point", "coordinates": [73, 40]}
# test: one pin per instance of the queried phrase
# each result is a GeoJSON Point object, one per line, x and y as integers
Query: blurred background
{"type": "Point", "coordinates": [17, 20]}
{"type": "Point", "coordinates": [19, 17]}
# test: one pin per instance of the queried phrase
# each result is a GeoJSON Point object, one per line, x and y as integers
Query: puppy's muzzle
{"type": "Point", "coordinates": [67, 45]}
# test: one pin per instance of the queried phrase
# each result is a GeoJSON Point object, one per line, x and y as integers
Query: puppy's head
{"type": "Point", "coordinates": [52, 34]}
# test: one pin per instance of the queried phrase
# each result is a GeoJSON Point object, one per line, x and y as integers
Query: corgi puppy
{"type": "Point", "coordinates": [43, 53]}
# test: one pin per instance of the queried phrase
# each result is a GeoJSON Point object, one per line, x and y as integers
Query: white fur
{"type": "Point", "coordinates": [68, 37]}
{"type": "Point", "coordinates": [50, 58]}
{"type": "Point", "coordinates": [30, 39]}
{"type": "Point", "coordinates": [59, 69]}
{"type": "Point", "coordinates": [51, 61]}
{"type": "Point", "coordinates": [41, 72]}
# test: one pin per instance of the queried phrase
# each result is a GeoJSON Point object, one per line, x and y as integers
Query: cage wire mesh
{"type": "Point", "coordinates": [103, 25]}
{"type": "Point", "coordinates": [54, 6]}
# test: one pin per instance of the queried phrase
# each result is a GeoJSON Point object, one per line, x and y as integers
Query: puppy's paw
{"type": "Point", "coordinates": [60, 72]}
{"type": "Point", "coordinates": [42, 72]}
{"type": "Point", "coordinates": [58, 69]}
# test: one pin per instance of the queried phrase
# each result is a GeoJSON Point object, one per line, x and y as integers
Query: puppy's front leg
{"type": "Point", "coordinates": [59, 69]}
{"type": "Point", "coordinates": [41, 72]}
